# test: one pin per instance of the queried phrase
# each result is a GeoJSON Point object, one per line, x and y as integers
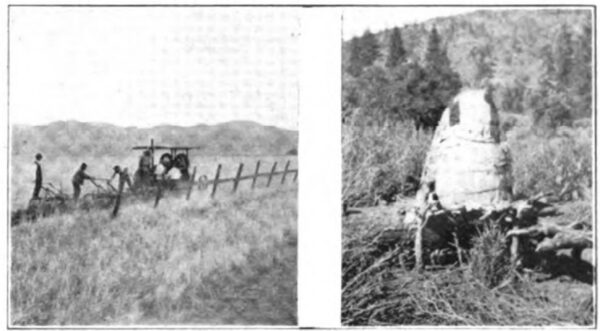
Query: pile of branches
{"type": "Point", "coordinates": [477, 256]}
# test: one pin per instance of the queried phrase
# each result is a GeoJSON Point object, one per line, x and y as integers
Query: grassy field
{"type": "Point", "coordinates": [230, 260]}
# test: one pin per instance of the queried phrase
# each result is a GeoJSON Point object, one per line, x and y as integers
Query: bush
{"type": "Point", "coordinates": [490, 257]}
{"type": "Point", "coordinates": [377, 157]}
{"type": "Point", "coordinates": [559, 162]}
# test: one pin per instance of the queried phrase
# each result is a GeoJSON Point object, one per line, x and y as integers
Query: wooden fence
{"type": "Point", "coordinates": [238, 178]}
{"type": "Point", "coordinates": [203, 183]}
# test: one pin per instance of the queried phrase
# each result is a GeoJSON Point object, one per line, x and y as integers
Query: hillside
{"type": "Point", "coordinates": [519, 52]}
{"type": "Point", "coordinates": [512, 41]}
{"type": "Point", "coordinates": [71, 138]}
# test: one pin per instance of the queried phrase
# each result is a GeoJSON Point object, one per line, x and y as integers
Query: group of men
{"type": "Point", "coordinates": [164, 170]}
{"type": "Point", "coordinates": [78, 178]}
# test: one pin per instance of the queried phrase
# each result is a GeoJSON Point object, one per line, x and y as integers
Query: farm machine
{"type": "Point", "coordinates": [170, 172]}
{"type": "Point", "coordinates": [174, 164]}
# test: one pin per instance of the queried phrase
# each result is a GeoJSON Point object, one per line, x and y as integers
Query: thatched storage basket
{"type": "Point", "coordinates": [466, 160]}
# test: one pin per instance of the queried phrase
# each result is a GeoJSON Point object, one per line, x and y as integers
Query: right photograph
{"type": "Point", "coordinates": [468, 187]}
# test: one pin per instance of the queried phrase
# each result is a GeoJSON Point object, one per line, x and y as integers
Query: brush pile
{"type": "Point", "coordinates": [475, 262]}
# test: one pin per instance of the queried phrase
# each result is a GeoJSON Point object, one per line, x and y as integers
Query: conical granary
{"type": "Point", "coordinates": [466, 161]}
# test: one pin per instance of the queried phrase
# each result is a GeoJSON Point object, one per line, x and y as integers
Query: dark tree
{"type": "Point", "coordinates": [408, 92]}
{"type": "Point", "coordinates": [581, 75]}
{"type": "Point", "coordinates": [354, 66]}
{"type": "Point", "coordinates": [369, 49]}
{"type": "Point", "coordinates": [563, 56]}
{"type": "Point", "coordinates": [364, 51]}
{"type": "Point", "coordinates": [436, 57]}
{"type": "Point", "coordinates": [442, 85]}
{"type": "Point", "coordinates": [397, 52]}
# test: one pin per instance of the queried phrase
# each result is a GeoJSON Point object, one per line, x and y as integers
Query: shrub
{"type": "Point", "coordinates": [559, 162]}
{"type": "Point", "coordinates": [490, 258]}
{"type": "Point", "coordinates": [377, 157]}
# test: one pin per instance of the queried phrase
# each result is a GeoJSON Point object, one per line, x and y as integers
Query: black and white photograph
{"type": "Point", "coordinates": [468, 170]}
{"type": "Point", "coordinates": [153, 165]}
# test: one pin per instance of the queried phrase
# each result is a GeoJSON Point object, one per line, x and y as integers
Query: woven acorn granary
{"type": "Point", "coordinates": [466, 160]}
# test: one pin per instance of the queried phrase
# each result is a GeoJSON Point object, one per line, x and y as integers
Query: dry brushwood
{"type": "Point", "coordinates": [453, 229]}
{"type": "Point", "coordinates": [554, 238]}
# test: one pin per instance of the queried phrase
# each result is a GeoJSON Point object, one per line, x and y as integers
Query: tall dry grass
{"type": "Point", "coordinates": [377, 159]}
{"type": "Point", "coordinates": [558, 162]}
{"type": "Point", "coordinates": [226, 261]}
{"type": "Point", "coordinates": [380, 159]}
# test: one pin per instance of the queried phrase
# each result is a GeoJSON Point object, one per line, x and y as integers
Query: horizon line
{"type": "Point", "coordinates": [155, 126]}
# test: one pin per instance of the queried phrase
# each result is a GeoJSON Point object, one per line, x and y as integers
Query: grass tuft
{"type": "Point", "coordinates": [489, 258]}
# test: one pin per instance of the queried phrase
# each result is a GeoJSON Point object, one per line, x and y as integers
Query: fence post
{"type": "Point", "coordinates": [118, 201]}
{"type": "Point", "coordinates": [236, 181]}
{"type": "Point", "coordinates": [158, 193]}
{"type": "Point", "coordinates": [216, 181]}
{"type": "Point", "coordinates": [189, 192]}
{"type": "Point", "coordinates": [422, 222]}
{"type": "Point", "coordinates": [287, 166]}
{"type": "Point", "coordinates": [255, 173]}
{"type": "Point", "coordinates": [271, 174]}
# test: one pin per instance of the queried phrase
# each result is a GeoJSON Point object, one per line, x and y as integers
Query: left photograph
{"type": "Point", "coordinates": [153, 165]}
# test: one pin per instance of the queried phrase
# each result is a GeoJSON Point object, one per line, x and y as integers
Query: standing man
{"type": "Point", "coordinates": [78, 179]}
{"type": "Point", "coordinates": [38, 177]}
{"type": "Point", "coordinates": [145, 166]}
{"type": "Point", "coordinates": [123, 177]}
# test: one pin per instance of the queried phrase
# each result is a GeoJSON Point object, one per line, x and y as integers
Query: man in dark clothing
{"type": "Point", "coordinates": [123, 177]}
{"type": "Point", "coordinates": [78, 179]}
{"type": "Point", "coordinates": [38, 176]}
{"type": "Point", "coordinates": [145, 167]}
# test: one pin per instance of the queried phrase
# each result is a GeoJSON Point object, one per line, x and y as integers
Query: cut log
{"type": "Point", "coordinates": [559, 238]}
{"type": "Point", "coordinates": [585, 255]}
{"type": "Point", "coordinates": [567, 239]}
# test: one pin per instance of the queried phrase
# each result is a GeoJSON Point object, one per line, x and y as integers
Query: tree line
{"type": "Point", "coordinates": [397, 88]}
{"type": "Point", "coordinates": [386, 81]}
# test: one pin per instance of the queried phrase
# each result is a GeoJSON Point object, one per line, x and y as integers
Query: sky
{"type": "Point", "coordinates": [357, 20]}
{"type": "Point", "coordinates": [147, 66]}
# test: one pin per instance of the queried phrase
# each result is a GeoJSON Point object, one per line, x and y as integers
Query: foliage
{"type": "Point", "coordinates": [489, 258]}
{"type": "Point", "coordinates": [535, 59]}
{"type": "Point", "coordinates": [559, 163]}
{"type": "Point", "coordinates": [364, 51]}
{"type": "Point", "coordinates": [377, 157]}
{"type": "Point", "coordinates": [436, 58]}
{"type": "Point", "coordinates": [403, 89]}
{"type": "Point", "coordinates": [396, 53]}
{"type": "Point", "coordinates": [226, 261]}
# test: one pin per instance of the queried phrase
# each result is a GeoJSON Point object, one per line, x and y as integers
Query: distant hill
{"type": "Point", "coordinates": [71, 138]}
{"type": "Point", "coordinates": [512, 41]}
